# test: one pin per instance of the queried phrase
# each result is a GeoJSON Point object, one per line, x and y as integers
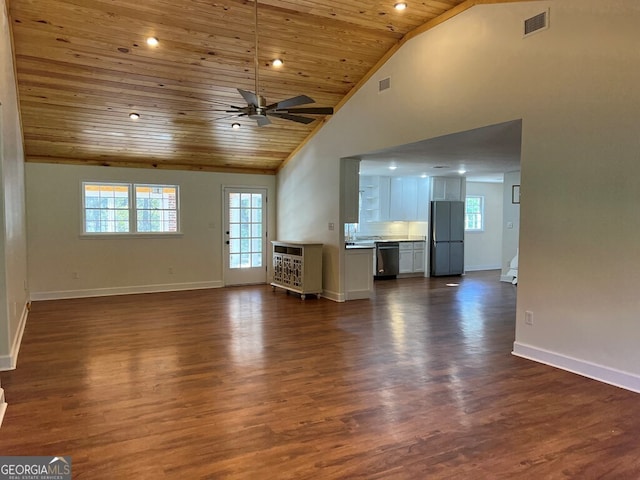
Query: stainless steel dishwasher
{"type": "Point", "coordinates": [387, 259]}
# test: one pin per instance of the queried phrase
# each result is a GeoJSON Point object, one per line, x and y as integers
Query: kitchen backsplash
{"type": "Point", "coordinates": [389, 229]}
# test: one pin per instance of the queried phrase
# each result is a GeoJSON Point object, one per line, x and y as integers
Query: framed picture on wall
{"type": "Point", "coordinates": [515, 194]}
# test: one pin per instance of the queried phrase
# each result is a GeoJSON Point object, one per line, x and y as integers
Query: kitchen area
{"type": "Point", "coordinates": [403, 212]}
{"type": "Point", "coordinates": [393, 233]}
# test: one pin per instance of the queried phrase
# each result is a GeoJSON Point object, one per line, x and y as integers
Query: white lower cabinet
{"type": "Point", "coordinates": [418, 256]}
{"type": "Point", "coordinates": [297, 267]}
{"type": "Point", "coordinates": [406, 257]}
{"type": "Point", "coordinates": [411, 257]}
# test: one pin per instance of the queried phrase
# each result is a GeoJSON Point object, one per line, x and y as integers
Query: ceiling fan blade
{"type": "Point", "coordinates": [250, 97]}
{"type": "Point", "coordinates": [308, 110]}
{"type": "Point", "coordinates": [294, 118]}
{"type": "Point", "coordinates": [291, 102]}
{"type": "Point", "coordinates": [225, 118]}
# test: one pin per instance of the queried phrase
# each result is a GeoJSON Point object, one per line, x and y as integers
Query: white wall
{"type": "Point", "coordinates": [13, 254]}
{"type": "Point", "coordinates": [483, 250]}
{"type": "Point", "coordinates": [575, 88]}
{"type": "Point", "coordinates": [126, 265]}
{"type": "Point", "coordinates": [510, 224]}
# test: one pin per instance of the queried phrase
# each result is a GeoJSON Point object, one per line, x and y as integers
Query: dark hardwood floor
{"type": "Point", "coordinates": [246, 383]}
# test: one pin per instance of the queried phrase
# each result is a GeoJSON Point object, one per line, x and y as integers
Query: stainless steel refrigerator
{"type": "Point", "coordinates": [447, 238]}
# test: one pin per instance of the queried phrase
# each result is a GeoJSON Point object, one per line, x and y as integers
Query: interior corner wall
{"type": "Point", "coordinates": [574, 86]}
{"type": "Point", "coordinates": [510, 223]}
{"type": "Point", "coordinates": [483, 250]}
{"type": "Point", "coordinates": [13, 251]}
{"type": "Point", "coordinates": [58, 253]}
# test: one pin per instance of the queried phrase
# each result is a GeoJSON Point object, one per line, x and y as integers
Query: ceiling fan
{"type": "Point", "coordinates": [257, 108]}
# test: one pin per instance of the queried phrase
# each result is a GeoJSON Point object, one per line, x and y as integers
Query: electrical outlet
{"type": "Point", "coordinates": [528, 317]}
{"type": "Point", "coordinates": [75, 275]}
{"type": "Point", "coordinates": [332, 226]}
{"type": "Point", "coordinates": [170, 270]}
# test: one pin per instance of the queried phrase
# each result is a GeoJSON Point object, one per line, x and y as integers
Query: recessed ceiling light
{"type": "Point", "coordinates": [134, 116]}
{"type": "Point", "coordinates": [424, 175]}
{"type": "Point", "coordinates": [400, 6]}
{"type": "Point", "coordinates": [462, 172]}
{"type": "Point", "coordinates": [152, 41]}
{"type": "Point", "coordinates": [392, 167]}
{"type": "Point", "coordinates": [277, 62]}
{"type": "Point", "coordinates": [235, 125]}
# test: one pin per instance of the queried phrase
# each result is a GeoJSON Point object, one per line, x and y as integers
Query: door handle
{"type": "Point", "coordinates": [227, 242]}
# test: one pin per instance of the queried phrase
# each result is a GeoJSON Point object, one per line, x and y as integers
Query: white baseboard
{"type": "Point", "coordinates": [358, 295]}
{"type": "Point", "coordinates": [481, 268]}
{"type": "Point", "coordinates": [506, 278]}
{"type": "Point", "coordinates": [618, 378]}
{"type": "Point", "coordinates": [335, 296]}
{"type": "Point", "coordinates": [105, 292]}
{"type": "Point", "coordinates": [9, 362]}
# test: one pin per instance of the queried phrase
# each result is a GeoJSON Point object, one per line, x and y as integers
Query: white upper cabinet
{"type": "Point", "coordinates": [448, 188]}
{"type": "Point", "coordinates": [423, 200]}
{"type": "Point", "coordinates": [384, 199]}
{"type": "Point", "coordinates": [404, 199]}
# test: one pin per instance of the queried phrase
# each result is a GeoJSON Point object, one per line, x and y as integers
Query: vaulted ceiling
{"type": "Point", "coordinates": [84, 65]}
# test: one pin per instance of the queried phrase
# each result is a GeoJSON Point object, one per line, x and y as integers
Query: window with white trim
{"type": "Point", "coordinates": [125, 208]}
{"type": "Point", "coordinates": [474, 213]}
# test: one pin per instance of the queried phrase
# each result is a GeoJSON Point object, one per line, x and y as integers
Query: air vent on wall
{"type": "Point", "coordinates": [384, 84]}
{"type": "Point", "coordinates": [536, 23]}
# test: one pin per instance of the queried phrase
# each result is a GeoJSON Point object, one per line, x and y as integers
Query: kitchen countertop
{"type": "Point", "coordinates": [371, 243]}
{"type": "Point", "coordinates": [352, 246]}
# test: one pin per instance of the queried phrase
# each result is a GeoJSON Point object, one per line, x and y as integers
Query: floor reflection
{"type": "Point", "coordinates": [244, 311]}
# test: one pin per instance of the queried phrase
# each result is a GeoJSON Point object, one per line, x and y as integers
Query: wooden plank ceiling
{"type": "Point", "coordinates": [84, 65]}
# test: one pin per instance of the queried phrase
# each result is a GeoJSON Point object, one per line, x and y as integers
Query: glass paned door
{"type": "Point", "coordinates": [245, 235]}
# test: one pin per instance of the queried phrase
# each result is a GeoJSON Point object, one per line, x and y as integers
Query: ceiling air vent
{"type": "Point", "coordinates": [536, 23]}
{"type": "Point", "coordinates": [384, 84]}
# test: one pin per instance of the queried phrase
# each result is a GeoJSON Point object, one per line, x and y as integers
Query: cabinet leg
{"type": "Point", "coordinates": [303, 296]}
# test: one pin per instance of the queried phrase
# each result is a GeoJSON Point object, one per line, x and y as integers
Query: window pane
{"type": "Point", "coordinates": [234, 260]}
{"type": "Point", "coordinates": [105, 208]}
{"type": "Point", "coordinates": [474, 213]}
{"type": "Point", "coordinates": [157, 208]}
